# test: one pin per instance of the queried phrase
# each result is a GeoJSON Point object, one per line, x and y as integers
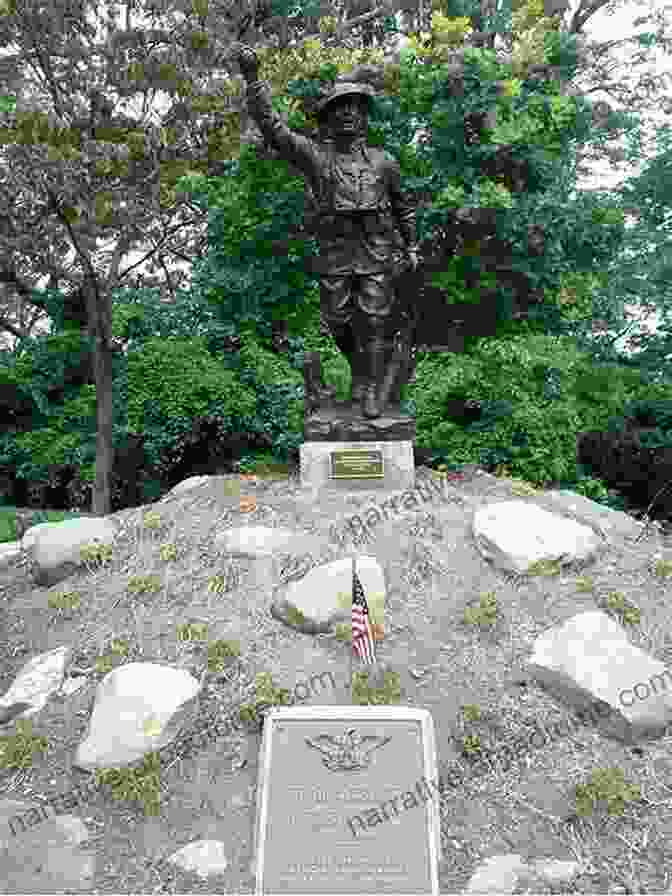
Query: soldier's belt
{"type": "Point", "coordinates": [347, 223]}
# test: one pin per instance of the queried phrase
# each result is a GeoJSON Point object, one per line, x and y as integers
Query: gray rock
{"type": "Point", "coordinates": [324, 595]}
{"type": "Point", "coordinates": [139, 708]}
{"type": "Point", "coordinates": [54, 548]}
{"type": "Point", "coordinates": [202, 856]}
{"type": "Point", "coordinates": [588, 660]}
{"type": "Point", "coordinates": [514, 535]}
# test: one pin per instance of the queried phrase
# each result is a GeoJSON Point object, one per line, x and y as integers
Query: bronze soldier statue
{"type": "Point", "coordinates": [359, 200]}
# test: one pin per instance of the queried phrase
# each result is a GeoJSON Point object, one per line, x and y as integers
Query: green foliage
{"type": "Point", "coordinates": [364, 695]}
{"type": "Point", "coordinates": [16, 750]}
{"type": "Point", "coordinates": [68, 434]}
{"type": "Point", "coordinates": [266, 696]}
{"type": "Point", "coordinates": [471, 745]}
{"type": "Point", "coordinates": [8, 531]}
{"type": "Point", "coordinates": [592, 488]}
{"type": "Point", "coordinates": [279, 391]}
{"type": "Point", "coordinates": [253, 206]}
{"type": "Point", "coordinates": [606, 784]}
{"type": "Point", "coordinates": [532, 434]}
{"type": "Point", "coordinates": [143, 783]}
{"type": "Point", "coordinates": [472, 712]}
{"type": "Point", "coordinates": [219, 652]}
{"type": "Point", "coordinates": [65, 433]}
{"type": "Point", "coordinates": [41, 366]}
{"type": "Point", "coordinates": [57, 443]}
{"type": "Point", "coordinates": [176, 369]}
{"type": "Point", "coordinates": [105, 663]}
{"type": "Point", "coordinates": [663, 568]}
{"type": "Point", "coordinates": [435, 168]}
{"type": "Point", "coordinates": [343, 631]}
{"type": "Point", "coordinates": [295, 616]}
{"type": "Point", "coordinates": [177, 378]}
{"type": "Point", "coordinates": [628, 612]}
{"type": "Point", "coordinates": [561, 51]}
{"type": "Point", "coordinates": [485, 614]}
{"type": "Point", "coordinates": [64, 600]}
{"type": "Point", "coordinates": [192, 631]}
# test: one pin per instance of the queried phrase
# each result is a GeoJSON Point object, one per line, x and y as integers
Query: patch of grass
{"type": "Point", "coordinates": [267, 696]}
{"type": "Point", "coordinates": [295, 616]}
{"type": "Point", "coordinates": [192, 631]}
{"type": "Point", "coordinates": [264, 466]}
{"type": "Point", "coordinates": [16, 750]}
{"type": "Point", "coordinates": [522, 489]}
{"type": "Point", "coordinates": [584, 584]}
{"type": "Point", "coordinates": [628, 613]}
{"type": "Point", "coordinates": [143, 783]}
{"type": "Point", "coordinates": [606, 785]}
{"type": "Point", "coordinates": [119, 647]}
{"type": "Point", "coordinates": [105, 663]}
{"type": "Point", "coordinates": [485, 614]}
{"type": "Point", "coordinates": [144, 584]}
{"type": "Point", "coordinates": [471, 745]}
{"type": "Point", "coordinates": [663, 568]}
{"type": "Point", "coordinates": [221, 651]}
{"type": "Point", "coordinates": [64, 601]}
{"type": "Point", "coordinates": [365, 695]}
{"type": "Point", "coordinates": [95, 554]}
{"type": "Point", "coordinates": [344, 631]}
{"type": "Point", "coordinates": [544, 568]}
{"type": "Point", "coordinates": [471, 712]}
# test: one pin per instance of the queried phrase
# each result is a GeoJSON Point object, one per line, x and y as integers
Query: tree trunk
{"type": "Point", "coordinates": [99, 309]}
{"type": "Point", "coordinates": [101, 502]}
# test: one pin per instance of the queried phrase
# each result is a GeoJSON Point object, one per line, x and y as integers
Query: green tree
{"type": "Point", "coordinates": [640, 274]}
{"type": "Point", "coordinates": [106, 173]}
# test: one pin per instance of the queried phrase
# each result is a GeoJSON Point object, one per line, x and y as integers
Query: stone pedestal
{"type": "Point", "coordinates": [340, 427]}
{"type": "Point", "coordinates": [398, 466]}
{"type": "Point", "coordinates": [332, 426]}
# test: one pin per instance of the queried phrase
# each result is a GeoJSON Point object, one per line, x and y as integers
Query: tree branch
{"type": "Point", "coordinates": [86, 261]}
{"type": "Point", "coordinates": [168, 278]}
{"type": "Point", "coordinates": [157, 247]}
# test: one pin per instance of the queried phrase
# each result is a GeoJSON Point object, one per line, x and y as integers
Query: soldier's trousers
{"type": "Point", "coordinates": [358, 310]}
{"type": "Point", "coordinates": [363, 302]}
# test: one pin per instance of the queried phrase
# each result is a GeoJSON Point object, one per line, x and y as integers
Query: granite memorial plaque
{"type": "Point", "coordinates": [347, 802]}
{"type": "Point", "coordinates": [357, 464]}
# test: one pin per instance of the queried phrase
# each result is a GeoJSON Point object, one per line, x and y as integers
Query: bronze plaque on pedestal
{"type": "Point", "coordinates": [357, 463]}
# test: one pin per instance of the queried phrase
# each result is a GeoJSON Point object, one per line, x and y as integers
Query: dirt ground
{"type": "Point", "coordinates": [433, 572]}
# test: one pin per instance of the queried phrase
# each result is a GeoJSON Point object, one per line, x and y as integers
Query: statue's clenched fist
{"type": "Point", "coordinates": [247, 60]}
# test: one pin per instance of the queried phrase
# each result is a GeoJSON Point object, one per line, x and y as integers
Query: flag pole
{"type": "Point", "coordinates": [352, 643]}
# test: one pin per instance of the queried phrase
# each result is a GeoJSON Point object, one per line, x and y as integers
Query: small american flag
{"type": "Point", "coordinates": [362, 640]}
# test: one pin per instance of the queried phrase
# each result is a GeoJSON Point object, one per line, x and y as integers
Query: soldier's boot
{"type": "Point", "coordinates": [376, 358]}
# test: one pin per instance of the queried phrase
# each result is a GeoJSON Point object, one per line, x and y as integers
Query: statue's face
{"type": "Point", "coordinates": [348, 115]}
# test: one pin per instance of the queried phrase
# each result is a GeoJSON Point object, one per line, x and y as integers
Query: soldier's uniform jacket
{"type": "Point", "coordinates": [363, 214]}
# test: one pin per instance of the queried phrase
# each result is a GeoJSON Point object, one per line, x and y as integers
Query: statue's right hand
{"type": "Point", "coordinates": [247, 60]}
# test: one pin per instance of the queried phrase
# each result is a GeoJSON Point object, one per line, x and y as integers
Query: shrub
{"type": "Point", "coordinates": [533, 435]}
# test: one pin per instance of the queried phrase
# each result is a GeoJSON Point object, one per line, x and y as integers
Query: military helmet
{"type": "Point", "coordinates": [344, 89]}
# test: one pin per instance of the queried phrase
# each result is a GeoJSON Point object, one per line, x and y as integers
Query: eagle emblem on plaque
{"type": "Point", "coordinates": [347, 752]}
